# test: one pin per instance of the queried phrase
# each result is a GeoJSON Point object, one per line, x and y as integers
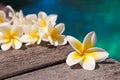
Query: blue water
{"type": "Point", "coordinates": [83, 16]}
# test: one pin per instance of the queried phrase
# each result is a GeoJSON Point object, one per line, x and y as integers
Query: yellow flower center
{"type": "Point", "coordinates": [43, 23]}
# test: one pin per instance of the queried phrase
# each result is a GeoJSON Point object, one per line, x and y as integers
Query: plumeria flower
{"type": "Point", "coordinates": [3, 17]}
{"type": "Point", "coordinates": [42, 19]}
{"type": "Point", "coordinates": [10, 36]}
{"type": "Point", "coordinates": [85, 54]}
{"type": "Point", "coordinates": [32, 35]}
{"type": "Point", "coordinates": [17, 17]}
{"type": "Point", "coordinates": [19, 20]}
{"type": "Point", "coordinates": [54, 34]}
{"type": "Point", "coordinates": [31, 19]}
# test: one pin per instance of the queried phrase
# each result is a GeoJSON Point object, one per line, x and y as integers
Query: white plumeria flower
{"type": "Point", "coordinates": [32, 35]}
{"type": "Point", "coordinates": [17, 17]}
{"type": "Point", "coordinates": [85, 54]}
{"type": "Point", "coordinates": [42, 19]}
{"type": "Point", "coordinates": [31, 19]}
{"type": "Point", "coordinates": [9, 36]}
{"type": "Point", "coordinates": [3, 17]}
{"type": "Point", "coordinates": [54, 34]}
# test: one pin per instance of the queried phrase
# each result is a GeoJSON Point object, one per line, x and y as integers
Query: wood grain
{"type": "Point", "coordinates": [108, 70]}
{"type": "Point", "coordinates": [14, 62]}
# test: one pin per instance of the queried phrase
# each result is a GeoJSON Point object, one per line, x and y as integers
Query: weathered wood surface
{"type": "Point", "coordinates": [108, 70]}
{"type": "Point", "coordinates": [14, 62]}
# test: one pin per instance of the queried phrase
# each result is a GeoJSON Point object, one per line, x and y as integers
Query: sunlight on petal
{"type": "Point", "coordinates": [89, 40]}
{"type": "Point", "coordinates": [59, 29]}
{"type": "Point", "coordinates": [88, 63]}
{"type": "Point", "coordinates": [98, 54]}
{"type": "Point", "coordinates": [76, 44]}
{"type": "Point", "coordinates": [6, 46]}
{"type": "Point", "coordinates": [73, 58]}
{"type": "Point", "coordinates": [39, 41]}
{"type": "Point", "coordinates": [17, 44]}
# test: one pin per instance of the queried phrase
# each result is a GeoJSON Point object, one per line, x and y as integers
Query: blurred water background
{"type": "Point", "coordinates": [81, 17]}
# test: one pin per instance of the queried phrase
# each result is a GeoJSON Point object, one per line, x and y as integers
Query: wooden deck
{"type": "Point", "coordinates": [48, 63]}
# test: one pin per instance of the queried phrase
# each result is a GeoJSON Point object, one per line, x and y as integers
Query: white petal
{"type": "Point", "coordinates": [31, 18]}
{"type": "Point", "coordinates": [39, 41]}
{"type": "Point", "coordinates": [6, 46]}
{"type": "Point", "coordinates": [42, 15]}
{"type": "Point", "coordinates": [44, 36]}
{"type": "Point", "coordinates": [17, 31]}
{"type": "Point", "coordinates": [52, 18]}
{"type": "Point", "coordinates": [88, 63]}
{"type": "Point", "coordinates": [3, 39]}
{"type": "Point", "coordinates": [26, 39]}
{"type": "Point", "coordinates": [49, 28]}
{"type": "Point", "coordinates": [12, 10]}
{"type": "Point", "coordinates": [55, 43]}
{"type": "Point", "coordinates": [5, 29]}
{"type": "Point", "coordinates": [61, 40]}
{"type": "Point", "coordinates": [73, 58]}
{"type": "Point", "coordinates": [30, 29]}
{"type": "Point", "coordinates": [98, 54]}
{"type": "Point", "coordinates": [89, 40]}
{"type": "Point", "coordinates": [59, 29]}
{"type": "Point", "coordinates": [76, 44]}
{"type": "Point", "coordinates": [17, 44]}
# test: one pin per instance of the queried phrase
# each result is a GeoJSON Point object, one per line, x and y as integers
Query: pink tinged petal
{"type": "Point", "coordinates": [42, 15]}
{"type": "Point", "coordinates": [76, 44]}
{"type": "Point", "coordinates": [89, 40]}
{"type": "Point", "coordinates": [16, 44]}
{"type": "Point", "coordinates": [6, 46]}
{"type": "Point", "coordinates": [52, 18]}
{"type": "Point", "coordinates": [59, 29]}
{"type": "Point", "coordinates": [88, 63]}
{"type": "Point", "coordinates": [73, 58]}
{"type": "Point", "coordinates": [98, 54]}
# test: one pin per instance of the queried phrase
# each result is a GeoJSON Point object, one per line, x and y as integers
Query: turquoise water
{"type": "Point", "coordinates": [83, 16]}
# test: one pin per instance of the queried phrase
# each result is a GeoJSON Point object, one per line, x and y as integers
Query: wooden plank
{"type": "Point", "coordinates": [14, 62]}
{"type": "Point", "coordinates": [108, 70]}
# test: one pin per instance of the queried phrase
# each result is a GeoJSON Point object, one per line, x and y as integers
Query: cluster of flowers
{"type": "Point", "coordinates": [17, 29]}
{"type": "Point", "coordinates": [29, 29]}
